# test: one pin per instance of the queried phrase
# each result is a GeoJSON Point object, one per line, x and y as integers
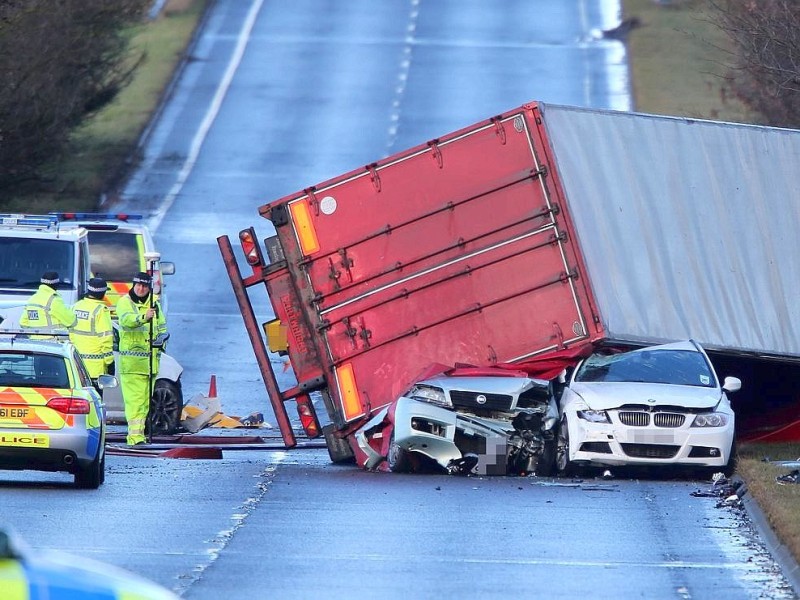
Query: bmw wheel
{"type": "Point", "coordinates": [562, 448]}
{"type": "Point", "coordinates": [729, 469]}
{"type": "Point", "coordinates": [166, 407]}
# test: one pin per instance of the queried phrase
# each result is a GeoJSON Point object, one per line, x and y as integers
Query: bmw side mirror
{"type": "Point", "coordinates": [732, 384]}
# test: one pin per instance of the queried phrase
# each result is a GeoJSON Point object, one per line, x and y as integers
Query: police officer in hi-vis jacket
{"type": "Point", "coordinates": [46, 308]}
{"type": "Point", "coordinates": [141, 321]}
{"type": "Point", "coordinates": [93, 334]}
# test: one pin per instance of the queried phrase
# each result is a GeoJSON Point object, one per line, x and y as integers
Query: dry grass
{"type": "Point", "coordinates": [780, 503]}
{"type": "Point", "coordinates": [104, 146]}
{"type": "Point", "coordinates": [678, 63]}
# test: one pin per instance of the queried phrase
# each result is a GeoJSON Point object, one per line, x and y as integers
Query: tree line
{"type": "Point", "coordinates": [60, 61]}
{"type": "Point", "coordinates": [765, 55]}
{"type": "Point", "coordinates": [63, 60]}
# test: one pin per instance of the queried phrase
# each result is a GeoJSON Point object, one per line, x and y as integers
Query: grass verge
{"type": "Point", "coordinates": [102, 150]}
{"type": "Point", "coordinates": [758, 466]}
{"type": "Point", "coordinates": [678, 63]}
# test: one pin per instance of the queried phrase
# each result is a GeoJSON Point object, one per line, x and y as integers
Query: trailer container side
{"type": "Point", "coordinates": [536, 233]}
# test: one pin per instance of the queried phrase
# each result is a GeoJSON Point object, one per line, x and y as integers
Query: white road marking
{"type": "Point", "coordinates": [210, 116]}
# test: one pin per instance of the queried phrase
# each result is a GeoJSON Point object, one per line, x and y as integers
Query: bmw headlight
{"type": "Point", "coordinates": [710, 420]}
{"type": "Point", "coordinates": [594, 416]}
{"type": "Point", "coordinates": [433, 395]}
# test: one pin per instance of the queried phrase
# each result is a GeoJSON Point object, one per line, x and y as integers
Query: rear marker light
{"type": "Point", "coordinates": [306, 233]}
{"type": "Point", "coordinates": [348, 392]}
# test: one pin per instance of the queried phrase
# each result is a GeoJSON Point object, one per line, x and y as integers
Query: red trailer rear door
{"type": "Point", "coordinates": [458, 251]}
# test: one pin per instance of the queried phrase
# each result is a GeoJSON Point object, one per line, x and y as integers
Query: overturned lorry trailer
{"type": "Point", "coordinates": [528, 239]}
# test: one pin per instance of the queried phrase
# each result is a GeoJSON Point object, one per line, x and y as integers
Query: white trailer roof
{"type": "Point", "coordinates": [689, 228]}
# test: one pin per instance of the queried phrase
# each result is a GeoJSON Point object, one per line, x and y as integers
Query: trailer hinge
{"type": "Point", "coordinates": [333, 274]}
{"type": "Point", "coordinates": [558, 335]}
{"type": "Point", "coordinates": [350, 332]}
{"type": "Point", "coordinates": [374, 176]}
{"type": "Point", "coordinates": [346, 263]}
{"type": "Point", "coordinates": [365, 334]}
{"type": "Point", "coordinates": [559, 237]}
{"type": "Point", "coordinates": [437, 153]}
{"type": "Point", "coordinates": [499, 129]}
{"type": "Point", "coordinates": [565, 277]}
{"type": "Point", "coordinates": [312, 199]}
{"type": "Point", "coordinates": [323, 325]}
{"type": "Point", "coordinates": [540, 172]}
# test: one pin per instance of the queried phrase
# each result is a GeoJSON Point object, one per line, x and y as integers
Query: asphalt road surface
{"type": "Point", "coordinates": [280, 95]}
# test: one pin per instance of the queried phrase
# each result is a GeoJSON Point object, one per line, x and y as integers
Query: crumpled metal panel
{"type": "Point", "coordinates": [688, 228]}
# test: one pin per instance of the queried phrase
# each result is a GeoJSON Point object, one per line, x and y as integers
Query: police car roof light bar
{"type": "Point", "coordinates": [34, 221]}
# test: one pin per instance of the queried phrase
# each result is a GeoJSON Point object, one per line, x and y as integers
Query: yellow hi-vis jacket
{"type": "Point", "coordinates": [93, 335]}
{"type": "Point", "coordinates": [46, 310]}
{"type": "Point", "coordinates": [134, 335]}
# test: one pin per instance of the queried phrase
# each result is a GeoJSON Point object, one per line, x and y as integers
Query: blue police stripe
{"type": "Point", "coordinates": [56, 582]}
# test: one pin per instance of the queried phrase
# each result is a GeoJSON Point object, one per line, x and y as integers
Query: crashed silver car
{"type": "Point", "coordinates": [468, 421]}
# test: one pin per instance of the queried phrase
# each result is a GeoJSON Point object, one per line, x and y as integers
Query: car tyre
{"type": "Point", "coordinates": [92, 477]}
{"type": "Point", "coordinates": [729, 469]}
{"type": "Point", "coordinates": [562, 462]}
{"type": "Point", "coordinates": [166, 407]}
{"type": "Point", "coordinates": [546, 466]}
{"type": "Point", "coordinates": [398, 458]}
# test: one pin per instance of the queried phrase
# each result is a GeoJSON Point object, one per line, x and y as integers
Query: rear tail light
{"type": "Point", "coordinates": [250, 247]}
{"type": "Point", "coordinates": [69, 406]}
{"type": "Point", "coordinates": [308, 417]}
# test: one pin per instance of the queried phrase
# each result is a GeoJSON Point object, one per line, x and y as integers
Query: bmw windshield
{"type": "Point", "coordinates": [676, 367]}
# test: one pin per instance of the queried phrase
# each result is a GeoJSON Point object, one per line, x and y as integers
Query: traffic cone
{"type": "Point", "coordinates": [212, 387]}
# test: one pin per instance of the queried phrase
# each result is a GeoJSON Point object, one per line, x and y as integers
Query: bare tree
{"type": "Point", "coordinates": [766, 40]}
{"type": "Point", "coordinates": [60, 60]}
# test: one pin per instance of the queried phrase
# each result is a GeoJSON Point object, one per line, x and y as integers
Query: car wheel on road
{"type": "Point", "coordinates": [398, 458]}
{"type": "Point", "coordinates": [562, 449]}
{"type": "Point", "coordinates": [729, 469]}
{"type": "Point", "coordinates": [92, 477]}
{"type": "Point", "coordinates": [165, 408]}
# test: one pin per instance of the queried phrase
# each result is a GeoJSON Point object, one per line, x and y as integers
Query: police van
{"type": "Point", "coordinates": [31, 245]}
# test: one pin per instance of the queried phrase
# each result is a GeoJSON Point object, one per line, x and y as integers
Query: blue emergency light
{"type": "Point", "coordinates": [90, 216]}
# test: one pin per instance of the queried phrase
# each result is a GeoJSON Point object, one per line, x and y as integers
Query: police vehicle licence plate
{"type": "Point", "coordinates": [14, 413]}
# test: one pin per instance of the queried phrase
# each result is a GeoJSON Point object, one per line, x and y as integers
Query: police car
{"type": "Point", "coordinates": [31, 245]}
{"type": "Point", "coordinates": [51, 416]}
{"type": "Point", "coordinates": [56, 575]}
{"type": "Point", "coordinates": [120, 245]}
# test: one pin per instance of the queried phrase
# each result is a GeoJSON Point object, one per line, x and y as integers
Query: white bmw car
{"type": "Point", "coordinates": [661, 405]}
